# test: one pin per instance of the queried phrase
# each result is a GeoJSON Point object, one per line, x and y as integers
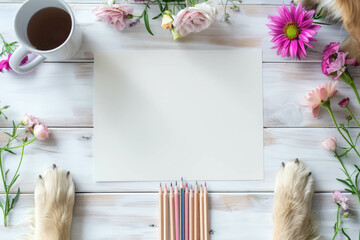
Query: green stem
{"type": "Point", "coordinates": [352, 115]}
{"type": "Point", "coordinates": [5, 210]}
{"type": "Point", "coordinates": [23, 145]}
{"type": "Point", "coordinates": [346, 77]}
{"type": "Point", "coordinates": [327, 106]}
{"type": "Point", "coordinates": [337, 222]}
{"type": "Point", "coordinates": [348, 176]}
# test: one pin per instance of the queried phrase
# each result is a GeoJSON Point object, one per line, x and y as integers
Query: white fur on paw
{"type": "Point", "coordinates": [54, 202]}
{"type": "Point", "coordinates": [292, 203]}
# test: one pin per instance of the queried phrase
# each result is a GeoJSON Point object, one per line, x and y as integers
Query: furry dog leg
{"type": "Point", "coordinates": [292, 203]}
{"type": "Point", "coordinates": [54, 202]}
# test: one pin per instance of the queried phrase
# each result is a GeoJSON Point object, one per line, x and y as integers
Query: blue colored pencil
{"type": "Point", "coordinates": [182, 209]}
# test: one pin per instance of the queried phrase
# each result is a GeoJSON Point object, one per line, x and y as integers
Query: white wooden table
{"type": "Point", "coordinates": [61, 94]}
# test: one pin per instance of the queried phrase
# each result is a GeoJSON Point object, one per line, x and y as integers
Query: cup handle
{"type": "Point", "coordinates": [18, 56]}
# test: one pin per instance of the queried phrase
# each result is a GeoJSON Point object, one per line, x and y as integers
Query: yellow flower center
{"type": "Point", "coordinates": [291, 30]}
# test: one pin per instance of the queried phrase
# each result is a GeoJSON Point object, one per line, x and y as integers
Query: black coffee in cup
{"type": "Point", "coordinates": [49, 28]}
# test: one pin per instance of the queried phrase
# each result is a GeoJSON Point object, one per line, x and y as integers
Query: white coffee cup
{"type": "Point", "coordinates": [65, 51]}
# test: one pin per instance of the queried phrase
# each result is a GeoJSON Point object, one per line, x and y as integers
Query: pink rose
{"type": "Point", "coordinates": [117, 15]}
{"type": "Point", "coordinates": [29, 121]}
{"type": "Point", "coordinates": [329, 143]}
{"type": "Point", "coordinates": [341, 200]}
{"type": "Point", "coordinates": [41, 132]}
{"type": "Point", "coordinates": [195, 19]}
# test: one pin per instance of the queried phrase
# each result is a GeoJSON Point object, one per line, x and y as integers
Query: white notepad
{"type": "Point", "coordinates": [161, 115]}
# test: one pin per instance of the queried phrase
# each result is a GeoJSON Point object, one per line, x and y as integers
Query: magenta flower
{"type": "Point", "coordinates": [4, 64]}
{"type": "Point", "coordinates": [341, 200]}
{"type": "Point", "coordinates": [319, 95]}
{"type": "Point", "coordinates": [293, 31]}
{"type": "Point", "coordinates": [344, 103]}
{"type": "Point", "coordinates": [118, 15]}
{"type": "Point", "coordinates": [334, 62]}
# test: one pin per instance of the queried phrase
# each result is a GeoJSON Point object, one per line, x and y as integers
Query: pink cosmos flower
{"type": "Point", "coordinates": [4, 64]}
{"type": "Point", "coordinates": [319, 95]}
{"type": "Point", "coordinates": [118, 15]}
{"type": "Point", "coordinates": [329, 143]}
{"type": "Point", "coordinates": [195, 19]}
{"type": "Point", "coordinates": [293, 30]}
{"type": "Point", "coordinates": [344, 103]}
{"type": "Point", "coordinates": [41, 132]}
{"type": "Point", "coordinates": [341, 200]}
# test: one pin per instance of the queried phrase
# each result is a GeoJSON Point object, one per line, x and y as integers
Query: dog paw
{"type": "Point", "coordinates": [292, 203]}
{"type": "Point", "coordinates": [352, 46]}
{"type": "Point", "coordinates": [54, 202]}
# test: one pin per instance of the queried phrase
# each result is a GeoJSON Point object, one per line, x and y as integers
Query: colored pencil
{"type": "Point", "coordinates": [182, 209]}
{"type": "Point", "coordinates": [161, 216]}
{"type": "Point", "coordinates": [177, 215]}
{"type": "Point", "coordinates": [172, 213]}
{"type": "Point", "coordinates": [206, 214]}
{"type": "Point", "coordinates": [186, 207]}
{"type": "Point", "coordinates": [191, 214]}
{"type": "Point", "coordinates": [166, 214]}
{"type": "Point", "coordinates": [196, 213]}
{"type": "Point", "coordinates": [201, 214]}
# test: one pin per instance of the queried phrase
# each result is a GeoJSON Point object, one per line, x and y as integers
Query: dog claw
{"type": "Point", "coordinates": [283, 164]}
{"type": "Point", "coordinates": [297, 161]}
{"type": "Point", "coordinates": [54, 166]}
{"type": "Point", "coordinates": [40, 176]}
{"type": "Point", "coordinates": [68, 173]}
{"type": "Point", "coordinates": [309, 174]}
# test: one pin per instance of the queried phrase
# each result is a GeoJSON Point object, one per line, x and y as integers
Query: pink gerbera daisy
{"type": "Point", "coordinates": [293, 30]}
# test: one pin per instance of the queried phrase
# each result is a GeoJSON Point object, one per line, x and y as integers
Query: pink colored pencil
{"type": "Point", "coordinates": [186, 227]}
{"type": "Point", "coordinates": [177, 216]}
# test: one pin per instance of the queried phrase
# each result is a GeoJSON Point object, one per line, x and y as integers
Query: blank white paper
{"type": "Point", "coordinates": [162, 115]}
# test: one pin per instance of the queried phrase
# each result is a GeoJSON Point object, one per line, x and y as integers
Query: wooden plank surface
{"type": "Point", "coordinates": [247, 29]}
{"type": "Point", "coordinates": [72, 149]}
{"type": "Point", "coordinates": [62, 94]}
{"type": "Point", "coordinates": [134, 216]}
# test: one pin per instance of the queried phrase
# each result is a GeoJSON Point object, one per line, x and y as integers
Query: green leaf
{"type": "Point", "coordinates": [157, 16]}
{"type": "Point", "coordinates": [8, 134]}
{"type": "Point", "coordinates": [14, 200]}
{"type": "Point", "coordinates": [344, 182]}
{"type": "Point", "coordinates": [1, 206]}
{"type": "Point", "coordinates": [349, 190]}
{"type": "Point", "coordinates": [160, 6]}
{"type": "Point", "coordinates": [7, 172]}
{"type": "Point", "coordinates": [343, 231]}
{"type": "Point", "coordinates": [146, 20]}
{"type": "Point", "coordinates": [13, 181]}
{"type": "Point", "coordinates": [14, 128]}
{"type": "Point", "coordinates": [9, 151]}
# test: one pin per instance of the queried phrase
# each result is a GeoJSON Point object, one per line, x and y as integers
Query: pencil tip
{"type": "Point", "coordinates": [160, 184]}
{"type": "Point", "coordinates": [170, 184]}
{"type": "Point", "coordinates": [186, 185]}
{"type": "Point", "coordinates": [165, 185]}
{"type": "Point", "coordinates": [196, 182]}
{"type": "Point", "coordinates": [176, 183]}
{"type": "Point", "coordinates": [182, 179]}
{"type": "Point", "coordinates": [191, 187]}
{"type": "Point", "coordinates": [205, 184]}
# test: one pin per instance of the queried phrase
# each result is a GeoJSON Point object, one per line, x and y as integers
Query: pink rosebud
{"type": "Point", "coordinates": [329, 143]}
{"type": "Point", "coordinates": [341, 200]}
{"type": "Point", "coordinates": [30, 121]}
{"type": "Point", "coordinates": [41, 132]}
{"type": "Point", "coordinates": [344, 103]}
